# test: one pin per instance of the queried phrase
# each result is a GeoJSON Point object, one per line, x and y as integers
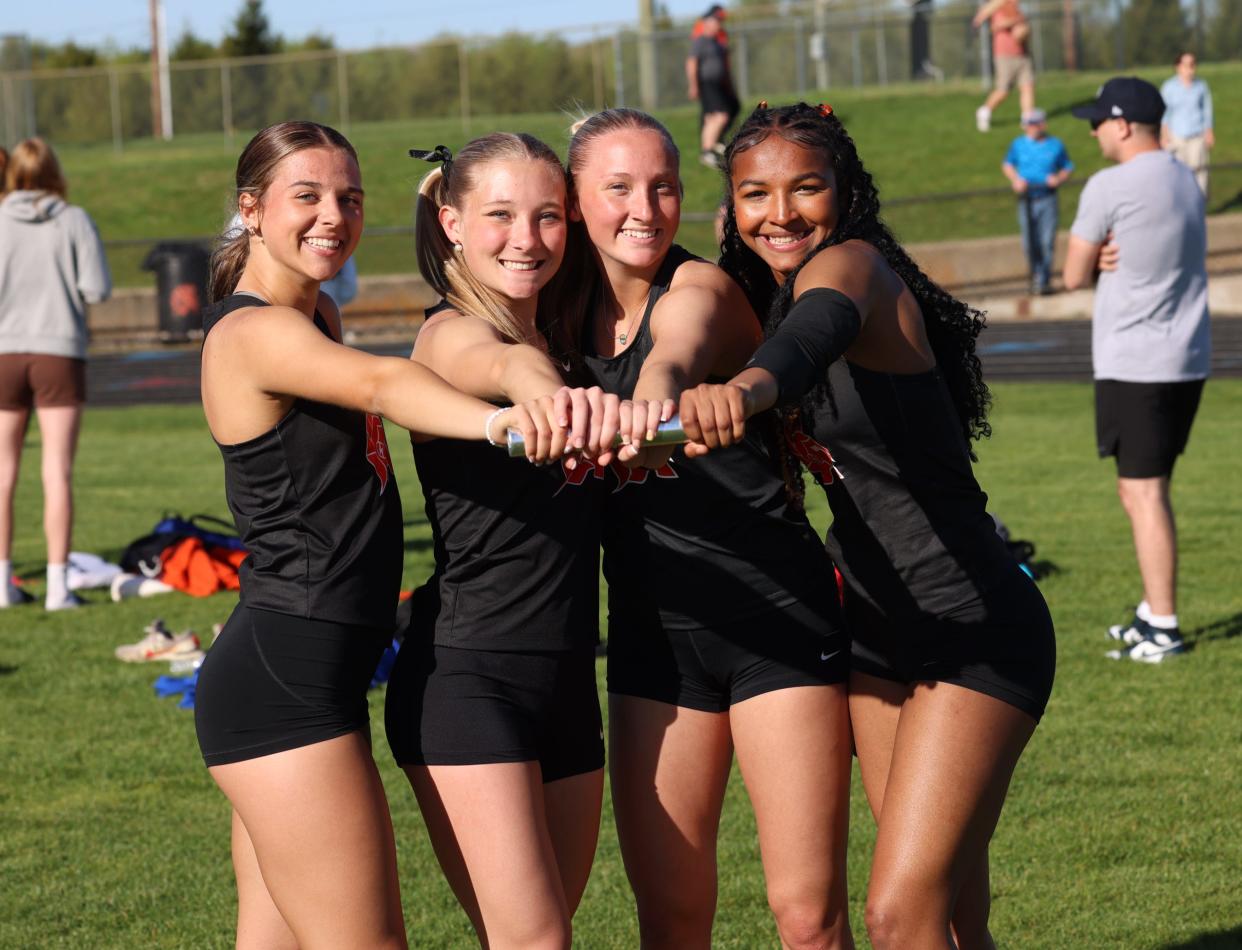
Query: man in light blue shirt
{"type": "Point", "coordinates": [1036, 166]}
{"type": "Point", "coordinates": [1187, 127]}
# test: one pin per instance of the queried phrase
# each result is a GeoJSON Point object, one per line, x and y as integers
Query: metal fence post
{"type": "Point", "coordinates": [342, 91]}
{"type": "Point", "coordinates": [743, 68]}
{"type": "Point", "coordinates": [463, 81]}
{"type": "Point", "coordinates": [618, 69]}
{"type": "Point", "coordinates": [881, 50]}
{"type": "Point", "coordinates": [856, 51]}
{"type": "Point", "coordinates": [1037, 40]}
{"type": "Point", "coordinates": [799, 54]}
{"type": "Point", "coordinates": [821, 39]}
{"type": "Point", "coordinates": [114, 106]}
{"type": "Point", "coordinates": [226, 101]}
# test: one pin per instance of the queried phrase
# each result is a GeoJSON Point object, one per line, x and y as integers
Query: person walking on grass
{"type": "Point", "coordinates": [1011, 63]}
{"type": "Point", "coordinates": [710, 81]}
{"type": "Point", "coordinates": [1036, 165]}
{"type": "Point", "coordinates": [281, 709]}
{"type": "Point", "coordinates": [52, 265]}
{"type": "Point", "coordinates": [1187, 127]}
{"type": "Point", "coordinates": [1151, 343]}
{"type": "Point", "coordinates": [873, 371]}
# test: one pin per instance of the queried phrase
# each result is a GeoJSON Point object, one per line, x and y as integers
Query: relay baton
{"type": "Point", "coordinates": [666, 433]}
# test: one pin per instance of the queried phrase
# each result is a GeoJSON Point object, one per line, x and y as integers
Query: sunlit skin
{"type": "Point", "coordinates": [512, 228]}
{"type": "Point", "coordinates": [308, 223]}
{"type": "Point", "coordinates": [628, 193]}
{"type": "Point", "coordinates": [785, 201]}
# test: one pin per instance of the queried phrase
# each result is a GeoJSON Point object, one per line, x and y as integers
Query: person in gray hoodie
{"type": "Point", "coordinates": [52, 265]}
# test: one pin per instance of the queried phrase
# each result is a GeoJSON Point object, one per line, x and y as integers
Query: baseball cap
{"type": "Point", "coordinates": [1034, 117]}
{"type": "Point", "coordinates": [1124, 97]}
{"type": "Point", "coordinates": [715, 10]}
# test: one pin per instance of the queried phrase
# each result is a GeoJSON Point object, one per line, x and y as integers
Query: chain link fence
{"type": "Point", "coordinates": [815, 45]}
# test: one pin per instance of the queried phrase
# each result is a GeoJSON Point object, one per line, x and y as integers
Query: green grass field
{"type": "Point", "coordinates": [915, 139]}
{"type": "Point", "coordinates": [1121, 829]}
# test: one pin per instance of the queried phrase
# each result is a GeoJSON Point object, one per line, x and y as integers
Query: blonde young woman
{"type": "Point", "coordinates": [492, 707]}
{"type": "Point", "coordinates": [281, 709]}
{"type": "Point", "coordinates": [723, 634]}
{"type": "Point", "coordinates": [52, 266]}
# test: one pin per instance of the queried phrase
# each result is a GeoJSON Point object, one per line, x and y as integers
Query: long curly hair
{"type": "Point", "coordinates": [952, 326]}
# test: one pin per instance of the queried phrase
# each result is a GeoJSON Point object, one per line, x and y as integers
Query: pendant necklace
{"type": "Point", "coordinates": [624, 335]}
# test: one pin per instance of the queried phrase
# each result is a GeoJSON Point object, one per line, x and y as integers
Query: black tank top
{"type": "Point", "coordinates": [707, 541]}
{"type": "Point", "coordinates": [910, 529]}
{"type": "Point", "coordinates": [516, 549]}
{"type": "Point", "coordinates": [316, 504]}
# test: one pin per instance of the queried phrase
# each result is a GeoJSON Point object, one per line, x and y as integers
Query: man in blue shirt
{"type": "Point", "coordinates": [1187, 127]}
{"type": "Point", "coordinates": [1036, 166]}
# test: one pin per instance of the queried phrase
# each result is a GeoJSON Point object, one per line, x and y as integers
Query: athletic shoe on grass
{"type": "Point", "coordinates": [158, 644]}
{"type": "Point", "coordinates": [1145, 643]}
{"type": "Point", "coordinates": [70, 601]}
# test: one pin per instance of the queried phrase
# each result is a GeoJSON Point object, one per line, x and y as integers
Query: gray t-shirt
{"type": "Point", "coordinates": [1151, 314]}
{"type": "Point", "coordinates": [711, 56]}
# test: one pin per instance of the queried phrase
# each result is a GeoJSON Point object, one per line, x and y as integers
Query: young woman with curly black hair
{"type": "Point", "coordinates": [874, 371]}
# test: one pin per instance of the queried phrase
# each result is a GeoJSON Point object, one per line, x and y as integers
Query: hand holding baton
{"type": "Point", "coordinates": [667, 433]}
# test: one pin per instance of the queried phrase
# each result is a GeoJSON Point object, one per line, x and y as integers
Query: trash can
{"type": "Point", "coordinates": [181, 269]}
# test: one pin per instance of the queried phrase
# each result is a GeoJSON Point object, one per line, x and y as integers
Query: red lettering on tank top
{"type": "Point", "coordinates": [377, 449]}
{"type": "Point", "coordinates": [638, 476]}
{"type": "Point", "coordinates": [815, 457]}
{"type": "Point", "coordinates": [578, 474]}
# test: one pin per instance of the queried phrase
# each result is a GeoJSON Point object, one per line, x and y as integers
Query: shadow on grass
{"type": "Point", "coordinates": [1042, 569]}
{"type": "Point", "coordinates": [1224, 629]}
{"type": "Point", "coordinates": [419, 544]}
{"type": "Point", "coordinates": [6, 670]}
{"type": "Point", "coordinates": [1230, 204]}
{"type": "Point", "coordinates": [1223, 940]}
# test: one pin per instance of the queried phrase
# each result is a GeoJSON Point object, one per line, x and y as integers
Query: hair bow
{"type": "Point", "coordinates": [440, 154]}
{"type": "Point", "coordinates": [824, 109]}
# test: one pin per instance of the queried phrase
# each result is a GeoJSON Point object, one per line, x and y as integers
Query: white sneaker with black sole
{"type": "Point", "coordinates": [1144, 643]}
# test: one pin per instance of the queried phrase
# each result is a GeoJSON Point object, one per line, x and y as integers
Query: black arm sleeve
{"type": "Point", "coordinates": [816, 331]}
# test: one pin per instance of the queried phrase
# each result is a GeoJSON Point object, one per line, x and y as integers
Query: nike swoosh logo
{"type": "Point", "coordinates": [828, 656]}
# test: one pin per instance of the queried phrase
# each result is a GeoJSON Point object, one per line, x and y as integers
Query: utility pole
{"type": "Point", "coordinates": [646, 54]}
{"type": "Point", "coordinates": [1069, 36]}
{"type": "Point", "coordinates": [157, 112]}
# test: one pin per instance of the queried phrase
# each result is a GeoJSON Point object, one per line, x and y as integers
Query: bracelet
{"type": "Point", "coordinates": [487, 426]}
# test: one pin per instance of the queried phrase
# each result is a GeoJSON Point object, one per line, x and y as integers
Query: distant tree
{"type": "Point", "coordinates": [313, 42]}
{"type": "Point", "coordinates": [1224, 36]}
{"type": "Point", "coordinates": [190, 47]}
{"type": "Point", "coordinates": [67, 56]}
{"type": "Point", "coordinates": [1155, 32]}
{"type": "Point", "coordinates": [251, 34]}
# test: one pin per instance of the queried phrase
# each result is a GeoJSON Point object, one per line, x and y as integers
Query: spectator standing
{"type": "Point", "coordinates": [710, 81]}
{"type": "Point", "coordinates": [1187, 127]}
{"type": "Point", "coordinates": [1036, 165]}
{"type": "Point", "coordinates": [1011, 64]}
{"type": "Point", "coordinates": [1150, 339]}
{"type": "Point", "coordinates": [52, 265]}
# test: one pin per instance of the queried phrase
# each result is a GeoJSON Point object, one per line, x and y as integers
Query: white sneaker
{"type": "Point", "coordinates": [125, 586]}
{"type": "Point", "coordinates": [70, 601]}
{"type": "Point", "coordinates": [1152, 644]}
{"type": "Point", "coordinates": [983, 118]}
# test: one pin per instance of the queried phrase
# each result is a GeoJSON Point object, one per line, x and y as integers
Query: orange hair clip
{"type": "Point", "coordinates": [825, 110]}
{"type": "Point", "coordinates": [763, 104]}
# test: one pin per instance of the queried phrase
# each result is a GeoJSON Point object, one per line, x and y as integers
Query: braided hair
{"type": "Point", "coordinates": [952, 326]}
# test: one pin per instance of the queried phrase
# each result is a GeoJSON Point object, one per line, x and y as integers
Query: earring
{"type": "Point", "coordinates": [457, 247]}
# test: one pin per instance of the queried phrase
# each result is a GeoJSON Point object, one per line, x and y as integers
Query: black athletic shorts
{"type": "Point", "coordinates": [713, 669]}
{"type": "Point", "coordinates": [272, 682]}
{"type": "Point", "coordinates": [713, 97]}
{"type": "Point", "coordinates": [449, 706]}
{"type": "Point", "coordinates": [1001, 644]}
{"type": "Point", "coordinates": [1145, 425]}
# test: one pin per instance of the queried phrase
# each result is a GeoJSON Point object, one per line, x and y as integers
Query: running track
{"type": "Point", "coordinates": [1010, 351]}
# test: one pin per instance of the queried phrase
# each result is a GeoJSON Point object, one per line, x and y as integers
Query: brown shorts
{"type": "Point", "coordinates": [36, 379]}
{"type": "Point", "coordinates": [1013, 70]}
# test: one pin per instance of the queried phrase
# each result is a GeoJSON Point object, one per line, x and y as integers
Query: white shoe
{"type": "Point", "coordinates": [125, 586]}
{"type": "Point", "coordinates": [983, 118]}
{"type": "Point", "coordinates": [70, 601]}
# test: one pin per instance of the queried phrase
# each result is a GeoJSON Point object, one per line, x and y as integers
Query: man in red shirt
{"type": "Point", "coordinates": [1011, 64]}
